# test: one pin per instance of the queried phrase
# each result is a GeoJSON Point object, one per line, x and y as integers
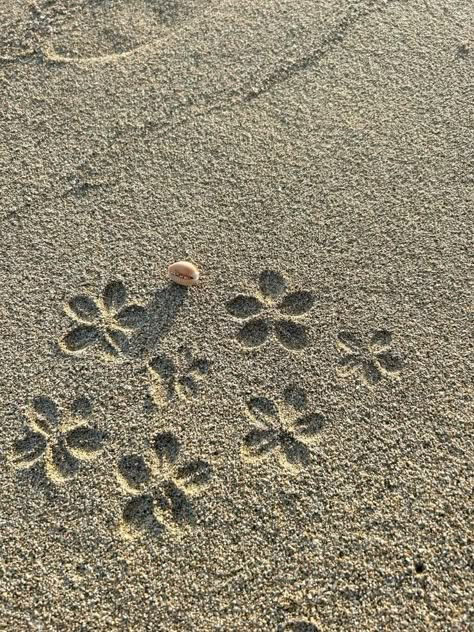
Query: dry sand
{"type": "Point", "coordinates": [329, 142]}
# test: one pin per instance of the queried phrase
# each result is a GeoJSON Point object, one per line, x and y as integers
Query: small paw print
{"type": "Point", "coordinates": [160, 487]}
{"type": "Point", "coordinates": [171, 379]}
{"type": "Point", "coordinates": [60, 441]}
{"type": "Point", "coordinates": [286, 433]}
{"type": "Point", "coordinates": [105, 323]}
{"type": "Point", "coordinates": [371, 360]}
{"type": "Point", "coordinates": [272, 311]}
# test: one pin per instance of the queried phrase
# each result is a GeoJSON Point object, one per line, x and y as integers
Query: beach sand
{"type": "Point", "coordinates": [289, 444]}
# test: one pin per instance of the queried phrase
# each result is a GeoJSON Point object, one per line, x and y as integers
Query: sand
{"type": "Point", "coordinates": [288, 445]}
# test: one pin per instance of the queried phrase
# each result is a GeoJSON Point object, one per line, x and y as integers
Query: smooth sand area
{"type": "Point", "coordinates": [289, 444]}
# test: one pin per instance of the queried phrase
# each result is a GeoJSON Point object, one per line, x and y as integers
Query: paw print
{"type": "Point", "coordinates": [371, 360]}
{"type": "Point", "coordinates": [160, 488]}
{"type": "Point", "coordinates": [60, 441]}
{"type": "Point", "coordinates": [180, 379]}
{"type": "Point", "coordinates": [105, 323]}
{"type": "Point", "coordinates": [272, 311]}
{"type": "Point", "coordinates": [285, 433]}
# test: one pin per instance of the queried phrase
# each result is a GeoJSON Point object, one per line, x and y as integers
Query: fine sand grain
{"type": "Point", "coordinates": [289, 444]}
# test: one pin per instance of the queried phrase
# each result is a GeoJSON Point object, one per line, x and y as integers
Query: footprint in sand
{"type": "Point", "coordinates": [59, 439]}
{"type": "Point", "coordinates": [95, 30]}
{"type": "Point", "coordinates": [284, 430]}
{"type": "Point", "coordinates": [178, 378]}
{"type": "Point", "coordinates": [272, 312]}
{"type": "Point", "coordinates": [104, 323]}
{"type": "Point", "coordinates": [371, 358]}
{"type": "Point", "coordinates": [159, 487]}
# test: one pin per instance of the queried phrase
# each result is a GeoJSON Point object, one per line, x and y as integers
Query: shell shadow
{"type": "Point", "coordinates": [161, 312]}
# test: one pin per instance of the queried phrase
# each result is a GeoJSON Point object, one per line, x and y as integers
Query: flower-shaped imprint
{"type": "Point", "coordinates": [160, 487]}
{"type": "Point", "coordinates": [272, 311]}
{"type": "Point", "coordinates": [105, 323]}
{"type": "Point", "coordinates": [170, 379]}
{"type": "Point", "coordinates": [371, 360]}
{"type": "Point", "coordinates": [284, 430]}
{"type": "Point", "coordinates": [60, 441]}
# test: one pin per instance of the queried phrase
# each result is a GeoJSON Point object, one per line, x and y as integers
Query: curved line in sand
{"type": "Point", "coordinates": [50, 55]}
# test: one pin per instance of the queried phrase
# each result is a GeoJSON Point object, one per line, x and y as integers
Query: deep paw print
{"type": "Point", "coordinates": [370, 360]}
{"type": "Point", "coordinates": [272, 311]}
{"type": "Point", "coordinates": [285, 430]}
{"type": "Point", "coordinates": [171, 379]}
{"type": "Point", "coordinates": [161, 488]}
{"type": "Point", "coordinates": [61, 441]}
{"type": "Point", "coordinates": [104, 324]}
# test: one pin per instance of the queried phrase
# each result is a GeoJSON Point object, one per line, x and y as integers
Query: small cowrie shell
{"type": "Point", "coordinates": [183, 272]}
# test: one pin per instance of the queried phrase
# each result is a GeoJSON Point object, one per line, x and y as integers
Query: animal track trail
{"type": "Point", "coordinates": [272, 311]}
{"type": "Point", "coordinates": [104, 324]}
{"type": "Point", "coordinates": [178, 377]}
{"type": "Point", "coordinates": [61, 440]}
{"type": "Point", "coordinates": [98, 30]}
{"type": "Point", "coordinates": [370, 358]}
{"type": "Point", "coordinates": [160, 486]}
{"type": "Point", "coordinates": [284, 429]}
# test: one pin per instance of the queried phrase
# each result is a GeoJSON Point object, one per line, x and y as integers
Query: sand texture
{"type": "Point", "coordinates": [288, 445]}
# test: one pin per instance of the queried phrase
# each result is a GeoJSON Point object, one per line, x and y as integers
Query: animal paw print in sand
{"type": "Point", "coordinates": [272, 311]}
{"type": "Point", "coordinates": [180, 379]}
{"type": "Point", "coordinates": [61, 441]}
{"type": "Point", "coordinates": [105, 324]}
{"type": "Point", "coordinates": [161, 488]}
{"type": "Point", "coordinates": [371, 360]}
{"type": "Point", "coordinates": [283, 430]}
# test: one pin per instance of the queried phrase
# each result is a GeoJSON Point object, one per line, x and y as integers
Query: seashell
{"type": "Point", "coordinates": [183, 273]}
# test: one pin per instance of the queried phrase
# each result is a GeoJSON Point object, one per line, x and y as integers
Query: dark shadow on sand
{"type": "Point", "coordinates": [161, 312]}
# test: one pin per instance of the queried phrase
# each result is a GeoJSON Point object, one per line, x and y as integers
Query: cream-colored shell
{"type": "Point", "coordinates": [183, 273]}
